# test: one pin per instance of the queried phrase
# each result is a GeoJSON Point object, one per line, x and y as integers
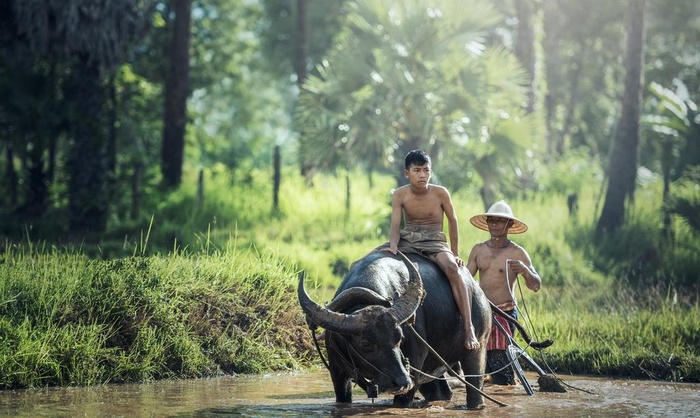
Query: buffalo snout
{"type": "Point", "coordinates": [402, 390]}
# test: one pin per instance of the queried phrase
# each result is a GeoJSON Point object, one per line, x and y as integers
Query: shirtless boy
{"type": "Point", "coordinates": [423, 206]}
{"type": "Point", "coordinates": [499, 261]}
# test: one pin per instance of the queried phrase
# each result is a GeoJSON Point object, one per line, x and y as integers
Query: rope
{"type": "Point", "coordinates": [452, 372]}
{"type": "Point", "coordinates": [430, 348]}
{"type": "Point", "coordinates": [318, 349]}
{"type": "Point", "coordinates": [533, 331]}
{"type": "Point", "coordinates": [526, 311]}
{"type": "Point", "coordinates": [509, 364]}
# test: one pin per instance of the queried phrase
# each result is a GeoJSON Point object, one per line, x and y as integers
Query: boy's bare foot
{"type": "Point", "coordinates": [470, 341]}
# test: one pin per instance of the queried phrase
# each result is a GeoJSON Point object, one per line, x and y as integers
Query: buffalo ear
{"type": "Point", "coordinates": [357, 296]}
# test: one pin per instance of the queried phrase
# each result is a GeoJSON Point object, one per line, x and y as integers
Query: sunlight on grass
{"type": "Point", "coordinates": [213, 289]}
{"type": "Point", "coordinates": [68, 319]}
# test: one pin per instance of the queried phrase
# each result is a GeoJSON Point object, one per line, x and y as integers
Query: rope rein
{"type": "Point", "coordinates": [533, 331]}
{"type": "Point", "coordinates": [451, 371]}
{"type": "Point", "coordinates": [346, 356]}
{"type": "Point", "coordinates": [318, 349]}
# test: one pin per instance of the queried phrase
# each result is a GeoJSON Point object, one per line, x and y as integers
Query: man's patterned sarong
{"type": "Point", "coordinates": [498, 341]}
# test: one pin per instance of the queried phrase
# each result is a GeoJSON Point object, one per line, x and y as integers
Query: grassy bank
{"type": "Point", "coordinates": [211, 290]}
{"type": "Point", "coordinates": [617, 333]}
{"type": "Point", "coordinates": [66, 319]}
{"type": "Point", "coordinates": [69, 320]}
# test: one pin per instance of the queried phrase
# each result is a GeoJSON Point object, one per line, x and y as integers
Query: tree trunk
{"type": "Point", "coordinates": [200, 190]}
{"type": "Point", "coordinates": [176, 93]}
{"type": "Point", "coordinates": [111, 148]}
{"type": "Point", "coordinates": [37, 187]}
{"type": "Point", "coordinates": [553, 72]}
{"type": "Point", "coordinates": [574, 83]}
{"type": "Point", "coordinates": [136, 191]}
{"type": "Point", "coordinates": [622, 169]}
{"type": "Point", "coordinates": [666, 167]}
{"type": "Point", "coordinates": [11, 173]}
{"type": "Point", "coordinates": [525, 47]}
{"type": "Point", "coordinates": [87, 166]}
{"type": "Point", "coordinates": [112, 127]}
{"type": "Point", "coordinates": [301, 55]}
{"type": "Point", "coordinates": [276, 179]}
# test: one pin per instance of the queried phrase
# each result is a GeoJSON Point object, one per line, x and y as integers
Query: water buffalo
{"type": "Point", "coordinates": [369, 341]}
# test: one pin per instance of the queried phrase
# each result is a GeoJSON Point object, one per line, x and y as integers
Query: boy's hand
{"type": "Point", "coordinates": [391, 250]}
{"type": "Point", "coordinates": [459, 261]}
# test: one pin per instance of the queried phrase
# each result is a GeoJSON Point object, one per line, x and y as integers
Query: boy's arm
{"type": "Point", "coordinates": [395, 229]}
{"type": "Point", "coordinates": [452, 223]}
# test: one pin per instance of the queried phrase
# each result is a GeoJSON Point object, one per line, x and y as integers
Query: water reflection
{"type": "Point", "coordinates": [311, 395]}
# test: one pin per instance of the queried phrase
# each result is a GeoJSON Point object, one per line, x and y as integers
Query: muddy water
{"type": "Point", "coordinates": [311, 395]}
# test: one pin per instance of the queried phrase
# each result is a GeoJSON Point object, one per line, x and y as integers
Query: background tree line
{"type": "Point", "coordinates": [105, 107]}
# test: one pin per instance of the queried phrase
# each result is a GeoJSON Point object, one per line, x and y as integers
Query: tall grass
{"type": "Point", "coordinates": [211, 290]}
{"type": "Point", "coordinates": [66, 319]}
{"type": "Point", "coordinates": [628, 339]}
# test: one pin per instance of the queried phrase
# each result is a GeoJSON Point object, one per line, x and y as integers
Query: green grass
{"type": "Point", "coordinates": [212, 289]}
{"type": "Point", "coordinates": [69, 320]}
{"type": "Point", "coordinates": [627, 341]}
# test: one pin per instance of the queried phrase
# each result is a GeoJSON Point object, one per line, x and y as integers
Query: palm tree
{"type": "Point", "coordinates": [406, 75]}
{"type": "Point", "coordinates": [673, 124]}
{"type": "Point", "coordinates": [525, 46]}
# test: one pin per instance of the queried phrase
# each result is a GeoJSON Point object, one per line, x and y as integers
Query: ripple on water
{"type": "Point", "coordinates": [311, 395]}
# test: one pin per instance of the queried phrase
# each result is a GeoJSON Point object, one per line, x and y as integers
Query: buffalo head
{"type": "Point", "coordinates": [364, 332]}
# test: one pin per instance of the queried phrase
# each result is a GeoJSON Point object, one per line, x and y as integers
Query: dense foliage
{"type": "Point", "coordinates": [226, 303]}
{"type": "Point", "coordinates": [462, 85]}
{"type": "Point", "coordinates": [517, 100]}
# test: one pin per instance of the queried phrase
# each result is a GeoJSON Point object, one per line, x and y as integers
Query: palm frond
{"type": "Point", "coordinates": [412, 71]}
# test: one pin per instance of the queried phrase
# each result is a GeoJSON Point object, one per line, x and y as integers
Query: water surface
{"type": "Point", "coordinates": [311, 395]}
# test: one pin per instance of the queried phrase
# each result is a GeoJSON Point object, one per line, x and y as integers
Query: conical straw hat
{"type": "Point", "coordinates": [501, 210]}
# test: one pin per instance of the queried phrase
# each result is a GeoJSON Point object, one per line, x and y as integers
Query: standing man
{"type": "Point", "coordinates": [499, 261]}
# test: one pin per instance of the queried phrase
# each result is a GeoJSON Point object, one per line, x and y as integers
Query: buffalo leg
{"type": "Point", "coordinates": [436, 390]}
{"type": "Point", "coordinates": [473, 366]}
{"type": "Point", "coordinates": [405, 400]}
{"type": "Point", "coordinates": [342, 384]}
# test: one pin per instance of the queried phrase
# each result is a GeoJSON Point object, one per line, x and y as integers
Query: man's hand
{"type": "Point", "coordinates": [459, 261]}
{"type": "Point", "coordinates": [391, 250]}
{"type": "Point", "coordinates": [519, 267]}
{"type": "Point", "coordinates": [532, 279]}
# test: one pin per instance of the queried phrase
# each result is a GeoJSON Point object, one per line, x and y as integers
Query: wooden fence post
{"type": "Point", "coordinates": [276, 180]}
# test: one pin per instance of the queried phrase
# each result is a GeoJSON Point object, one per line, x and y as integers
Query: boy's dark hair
{"type": "Point", "coordinates": [417, 157]}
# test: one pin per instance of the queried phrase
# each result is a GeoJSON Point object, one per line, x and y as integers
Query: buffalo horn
{"type": "Point", "coordinates": [326, 318]}
{"type": "Point", "coordinates": [408, 302]}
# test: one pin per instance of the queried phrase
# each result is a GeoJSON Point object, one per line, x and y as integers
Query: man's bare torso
{"type": "Point", "coordinates": [495, 277]}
